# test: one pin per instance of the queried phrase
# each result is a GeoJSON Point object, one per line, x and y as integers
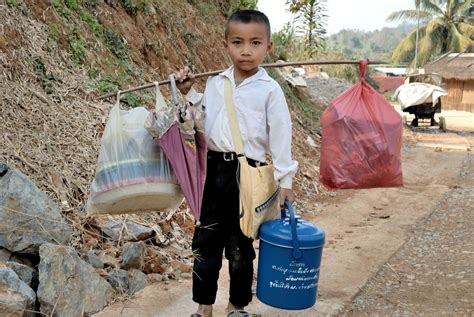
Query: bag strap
{"type": "Point", "coordinates": [232, 115]}
{"type": "Point", "coordinates": [160, 102]}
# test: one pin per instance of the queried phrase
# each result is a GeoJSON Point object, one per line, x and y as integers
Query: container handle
{"type": "Point", "coordinates": [296, 243]}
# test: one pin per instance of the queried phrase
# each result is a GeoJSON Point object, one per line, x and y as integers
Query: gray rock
{"type": "Point", "coordinates": [137, 281]}
{"type": "Point", "coordinates": [28, 217]}
{"type": "Point", "coordinates": [132, 232]}
{"type": "Point", "coordinates": [119, 281]}
{"type": "Point", "coordinates": [16, 298]}
{"type": "Point", "coordinates": [4, 255]}
{"type": "Point", "coordinates": [133, 256]}
{"type": "Point", "coordinates": [94, 260]}
{"type": "Point", "coordinates": [27, 274]}
{"type": "Point", "coordinates": [127, 282]}
{"type": "Point", "coordinates": [68, 284]}
{"type": "Point", "coordinates": [324, 90]}
{"type": "Point", "coordinates": [3, 169]}
{"type": "Point", "coordinates": [186, 275]}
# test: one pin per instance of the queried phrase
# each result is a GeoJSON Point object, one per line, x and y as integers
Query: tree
{"type": "Point", "coordinates": [230, 6]}
{"type": "Point", "coordinates": [310, 14]}
{"type": "Point", "coordinates": [445, 25]}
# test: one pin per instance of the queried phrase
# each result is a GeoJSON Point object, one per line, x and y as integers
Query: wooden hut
{"type": "Point", "coordinates": [457, 71]}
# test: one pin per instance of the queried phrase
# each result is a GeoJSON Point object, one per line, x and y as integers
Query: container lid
{"type": "Point", "coordinates": [278, 232]}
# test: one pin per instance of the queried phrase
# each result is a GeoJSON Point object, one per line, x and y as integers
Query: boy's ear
{"type": "Point", "coordinates": [269, 46]}
{"type": "Point", "coordinates": [224, 41]}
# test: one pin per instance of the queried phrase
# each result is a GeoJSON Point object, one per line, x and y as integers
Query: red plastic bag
{"type": "Point", "coordinates": [361, 140]}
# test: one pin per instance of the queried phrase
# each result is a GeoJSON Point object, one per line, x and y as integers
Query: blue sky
{"type": "Point", "coordinates": [367, 15]}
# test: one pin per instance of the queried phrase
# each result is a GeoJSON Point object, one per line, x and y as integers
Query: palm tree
{"type": "Point", "coordinates": [446, 25]}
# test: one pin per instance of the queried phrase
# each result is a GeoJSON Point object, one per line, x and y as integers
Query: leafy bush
{"type": "Point", "coordinates": [133, 7]}
{"type": "Point", "coordinates": [77, 44]}
{"type": "Point", "coordinates": [116, 44]}
{"type": "Point", "coordinates": [230, 6]}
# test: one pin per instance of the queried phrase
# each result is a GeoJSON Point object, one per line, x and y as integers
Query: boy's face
{"type": "Point", "coordinates": [246, 44]}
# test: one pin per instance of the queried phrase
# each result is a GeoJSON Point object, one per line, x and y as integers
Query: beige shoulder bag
{"type": "Point", "coordinates": [258, 189]}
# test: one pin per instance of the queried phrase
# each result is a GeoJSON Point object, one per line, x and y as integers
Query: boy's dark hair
{"type": "Point", "coordinates": [248, 16]}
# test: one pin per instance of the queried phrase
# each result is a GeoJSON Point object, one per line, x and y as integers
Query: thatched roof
{"type": "Point", "coordinates": [453, 66]}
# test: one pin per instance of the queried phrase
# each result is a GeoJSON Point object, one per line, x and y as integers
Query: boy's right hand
{"type": "Point", "coordinates": [184, 79]}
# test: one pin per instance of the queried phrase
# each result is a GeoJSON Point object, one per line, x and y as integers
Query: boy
{"type": "Point", "coordinates": [264, 122]}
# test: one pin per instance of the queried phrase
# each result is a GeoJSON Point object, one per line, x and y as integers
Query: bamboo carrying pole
{"type": "Point", "coordinates": [270, 65]}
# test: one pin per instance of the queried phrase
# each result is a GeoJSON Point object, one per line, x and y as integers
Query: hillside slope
{"type": "Point", "coordinates": [375, 45]}
{"type": "Point", "coordinates": [57, 56]}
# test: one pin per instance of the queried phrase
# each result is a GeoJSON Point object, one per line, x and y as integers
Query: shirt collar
{"type": "Point", "coordinates": [261, 74]}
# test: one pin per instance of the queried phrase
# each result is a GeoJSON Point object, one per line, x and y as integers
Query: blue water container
{"type": "Point", "coordinates": [289, 261]}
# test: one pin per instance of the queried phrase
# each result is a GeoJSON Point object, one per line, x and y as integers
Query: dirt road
{"type": "Point", "coordinates": [433, 273]}
{"type": "Point", "coordinates": [364, 228]}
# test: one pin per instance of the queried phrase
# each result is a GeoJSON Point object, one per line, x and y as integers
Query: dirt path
{"type": "Point", "coordinates": [364, 229]}
{"type": "Point", "coordinates": [433, 273]}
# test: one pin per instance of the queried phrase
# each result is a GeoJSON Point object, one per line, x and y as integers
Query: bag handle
{"type": "Point", "coordinates": [362, 68]}
{"type": "Point", "coordinates": [294, 234]}
{"type": "Point", "coordinates": [174, 91]}
{"type": "Point", "coordinates": [116, 109]}
{"type": "Point", "coordinates": [119, 95]}
{"type": "Point", "coordinates": [232, 115]}
{"type": "Point", "coordinates": [160, 102]}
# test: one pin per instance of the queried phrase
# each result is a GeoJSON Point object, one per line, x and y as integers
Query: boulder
{"type": "Point", "coordinates": [119, 281]}
{"type": "Point", "coordinates": [131, 232]}
{"type": "Point", "coordinates": [25, 209]}
{"type": "Point", "coordinates": [27, 274]}
{"type": "Point", "coordinates": [68, 284]}
{"type": "Point", "coordinates": [133, 256]}
{"type": "Point", "coordinates": [137, 281]}
{"type": "Point", "coordinates": [4, 255]}
{"type": "Point", "coordinates": [127, 283]}
{"type": "Point", "coordinates": [94, 260]}
{"type": "Point", "coordinates": [16, 298]}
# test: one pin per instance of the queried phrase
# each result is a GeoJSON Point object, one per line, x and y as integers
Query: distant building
{"type": "Point", "coordinates": [457, 71]}
{"type": "Point", "coordinates": [389, 78]}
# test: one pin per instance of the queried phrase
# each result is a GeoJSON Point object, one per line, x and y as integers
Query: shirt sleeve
{"type": "Point", "coordinates": [279, 127]}
{"type": "Point", "coordinates": [193, 96]}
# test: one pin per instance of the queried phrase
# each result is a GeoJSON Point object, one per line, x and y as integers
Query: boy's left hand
{"type": "Point", "coordinates": [286, 193]}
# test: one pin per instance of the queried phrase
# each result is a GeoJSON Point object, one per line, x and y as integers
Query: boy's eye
{"type": "Point", "coordinates": [236, 42]}
{"type": "Point", "coordinates": [256, 42]}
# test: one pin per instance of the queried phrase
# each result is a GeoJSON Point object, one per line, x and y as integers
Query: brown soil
{"type": "Point", "coordinates": [364, 229]}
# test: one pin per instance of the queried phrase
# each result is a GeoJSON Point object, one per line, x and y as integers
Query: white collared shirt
{"type": "Point", "coordinates": [263, 117]}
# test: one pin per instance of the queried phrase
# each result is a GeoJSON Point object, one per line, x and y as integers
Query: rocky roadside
{"type": "Point", "coordinates": [41, 271]}
{"type": "Point", "coordinates": [432, 274]}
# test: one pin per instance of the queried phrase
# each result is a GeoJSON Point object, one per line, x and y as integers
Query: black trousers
{"type": "Point", "coordinates": [219, 231]}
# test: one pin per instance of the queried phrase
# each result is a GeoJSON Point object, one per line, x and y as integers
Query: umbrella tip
{"type": "Point", "coordinates": [198, 223]}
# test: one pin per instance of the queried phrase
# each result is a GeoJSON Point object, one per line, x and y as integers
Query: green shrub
{"type": "Point", "coordinates": [133, 7]}
{"type": "Point", "coordinates": [230, 6]}
{"type": "Point", "coordinates": [21, 6]}
{"type": "Point", "coordinates": [300, 102]}
{"type": "Point", "coordinates": [116, 45]}
{"type": "Point", "coordinates": [91, 20]}
{"type": "Point", "coordinates": [72, 4]}
{"type": "Point", "coordinates": [77, 44]}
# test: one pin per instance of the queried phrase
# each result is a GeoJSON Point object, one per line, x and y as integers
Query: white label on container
{"type": "Point", "coordinates": [296, 276]}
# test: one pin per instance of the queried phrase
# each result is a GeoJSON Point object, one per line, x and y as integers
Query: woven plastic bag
{"type": "Point", "coordinates": [361, 140]}
{"type": "Point", "coordinates": [132, 173]}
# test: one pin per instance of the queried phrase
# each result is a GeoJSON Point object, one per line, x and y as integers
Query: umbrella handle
{"type": "Point", "coordinates": [174, 91]}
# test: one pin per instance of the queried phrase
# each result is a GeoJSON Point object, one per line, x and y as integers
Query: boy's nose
{"type": "Point", "coordinates": [246, 50]}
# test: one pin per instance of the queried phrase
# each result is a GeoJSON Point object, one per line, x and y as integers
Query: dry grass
{"type": "Point", "coordinates": [50, 130]}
